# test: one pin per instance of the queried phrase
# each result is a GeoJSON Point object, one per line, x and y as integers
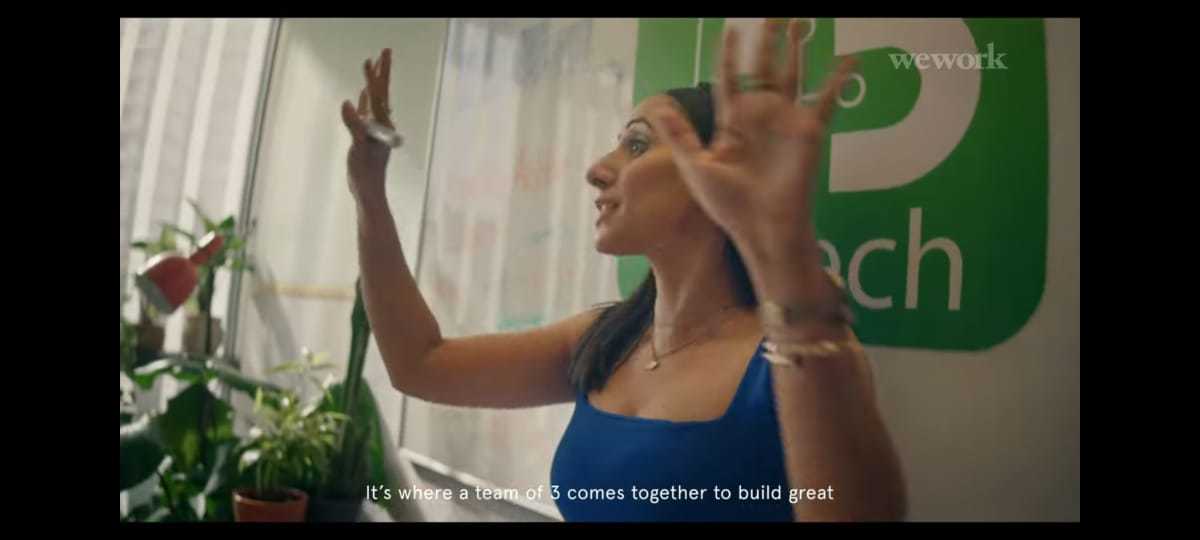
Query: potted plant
{"type": "Point", "coordinates": [287, 450]}
{"type": "Point", "coordinates": [357, 459]}
{"type": "Point", "coordinates": [184, 448]}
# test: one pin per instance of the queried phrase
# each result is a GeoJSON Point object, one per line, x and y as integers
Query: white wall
{"type": "Point", "coordinates": [994, 435]}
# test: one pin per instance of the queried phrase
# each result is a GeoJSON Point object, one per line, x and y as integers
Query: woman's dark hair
{"type": "Point", "coordinates": [619, 327]}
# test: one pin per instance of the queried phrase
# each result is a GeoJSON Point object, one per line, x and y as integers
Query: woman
{"type": "Point", "coordinates": [729, 386]}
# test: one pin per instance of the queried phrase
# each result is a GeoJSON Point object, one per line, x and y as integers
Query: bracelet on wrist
{"type": "Point", "coordinates": [779, 316]}
{"type": "Point", "coordinates": [794, 354]}
{"type": "Point", "coordinates": [781, 323]}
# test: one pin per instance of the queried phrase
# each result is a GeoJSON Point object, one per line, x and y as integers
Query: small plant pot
{"type": "Point", "coordinates": [150, 336]}
{"type": "Point", "coordinates": [193, 335]}
{"type": "Point", "coordinates": [247, 508]}
{"type": "Point", "coordinates": [150, 339]}
{"type": "Point", "coordinates": [322, 510]}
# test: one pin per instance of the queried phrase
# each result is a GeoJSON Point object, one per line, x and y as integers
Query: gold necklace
{"type": "Point", "coordinates": [656, 361]}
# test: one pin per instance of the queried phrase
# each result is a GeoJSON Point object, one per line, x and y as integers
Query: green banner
{"type": "Point", "coordinates": [931, 200]}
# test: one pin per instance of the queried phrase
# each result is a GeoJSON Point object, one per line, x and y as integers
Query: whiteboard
{"type": "Point", "coordinates": [525, 107]}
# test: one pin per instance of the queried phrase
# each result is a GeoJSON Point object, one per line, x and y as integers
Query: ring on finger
{"type": "Point", "coordinates": [751, 84]}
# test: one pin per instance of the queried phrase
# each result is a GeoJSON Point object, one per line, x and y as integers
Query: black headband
{"type": "Point", "coordinates": [697, 102]}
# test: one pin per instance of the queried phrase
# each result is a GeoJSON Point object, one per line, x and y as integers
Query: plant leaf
{"type": "Point", "coordinates": [146, 375]}
{"type": "Point", "coordinates": [182, 435]}
{"type": "Point", "coordinates": [175, 229]}
{"type": "Point", "coordinates": [360, 336]}
{"type": "Point", "coordinates": [197, 503]}
{"type": "Point", "coordinates": [240, 264]}
{"type": "Point", "coordinates": [141, 452]}
{"type": "Point", "coordinates": [160, 514]}
{"type": "Point", "coordinates": [166, 240]}
{"type": "Point", "coordinates": [286, 367]}
{"type": "Point", "coordinates": [208, 223]}
{"type": "Point", "coordinates": [358, 458]}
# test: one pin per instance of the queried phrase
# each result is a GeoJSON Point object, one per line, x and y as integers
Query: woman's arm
{"type": "Point", "coordinates": [517, 369]}
{"type": "Point", "coordinates": [755, 180]}
{"type": "Point", "coordinates": [832, 429]}
{"type": "Point", "coordinates": [508, 370]}
{"type": "Point", "coordinates": [403, 325]}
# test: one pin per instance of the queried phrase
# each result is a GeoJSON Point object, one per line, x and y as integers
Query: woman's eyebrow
{"type": "Point", "coordinates": [639, 119]}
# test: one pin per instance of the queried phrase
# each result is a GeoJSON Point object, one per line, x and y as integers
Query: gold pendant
{"type": "Point", "coordinates": [652, 365]}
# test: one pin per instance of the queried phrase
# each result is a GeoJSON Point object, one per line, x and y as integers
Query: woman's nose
{"type": "Point", "coordinates": [600, 176]}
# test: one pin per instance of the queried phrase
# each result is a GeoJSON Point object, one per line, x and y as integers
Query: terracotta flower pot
{"type": "Point", "coordinates": [246, 508]}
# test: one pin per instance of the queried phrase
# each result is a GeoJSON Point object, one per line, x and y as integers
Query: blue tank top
{"type": "Point", "coordinates": [608, 467]}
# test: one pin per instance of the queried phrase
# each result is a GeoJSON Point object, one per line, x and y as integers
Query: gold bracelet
{"type": "Point", "coordinates": [776, 316]}
{"type": "Point", "coordinates": [779, 320]}
{"type": "Point", "coordinates": [794, 354]}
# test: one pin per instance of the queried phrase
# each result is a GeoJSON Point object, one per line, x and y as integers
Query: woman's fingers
{"type": "Point", "coordinates": [378, 93]}
{"type": "Point", "coordinates": [372, 98]}
{"type": "Point", "coordinates": [793, 78]}
{"type": "Point", "coordinates": [679, 136]}
{"type": "Point", "coordinates": [353, 122]}
{"type": "Point", "coordinates": [369, 76]}
{"type": "Point", "coordinates": [833, 88]}
{"type": "Point", "coordinates": [764, 69]}
{"type": "Point", "coordinates": [727, 78]}
{"type": "Point", "coordinates": [385, 75]}
{"type": "Point", "coordinates": [677, 132]}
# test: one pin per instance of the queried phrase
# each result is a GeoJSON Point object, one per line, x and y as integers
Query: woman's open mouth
{"type": "Point", "coordinates": [606, 209]}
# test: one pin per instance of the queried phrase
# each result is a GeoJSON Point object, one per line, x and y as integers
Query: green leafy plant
{"type": "Point", "coordinates": [188, 446]}
{"type": "Point", "coordinates": [129, 344]}
{"type": "Point", "coordinates": [329, 448]}
{"type": "Point", "coordinates": [358, 457]}
{"type": "Point", "coordinates": [291, 442]}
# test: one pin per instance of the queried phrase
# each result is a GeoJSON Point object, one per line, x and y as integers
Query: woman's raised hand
{"type": "Point", "coordinates": [755, 179]}
{"type": "Point", "coordinates": [367, 159]}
